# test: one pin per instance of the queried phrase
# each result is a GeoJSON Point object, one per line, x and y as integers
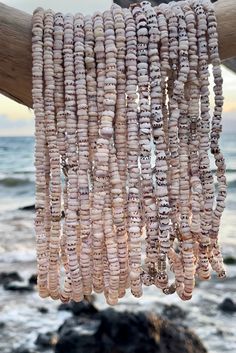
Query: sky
{"type": "Point", "coordinates": [16, 119]}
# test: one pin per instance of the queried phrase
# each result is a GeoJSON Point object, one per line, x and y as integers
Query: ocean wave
{"type": "Point", "coordinates": [231, 184]}
{"type": "Point", "coordinates": [228, 171]}
{"type": "Point", "coordinates": [14, 182]}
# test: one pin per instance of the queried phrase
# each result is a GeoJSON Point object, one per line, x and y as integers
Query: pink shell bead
{"type": "Point", "coordinates": [123, 131]}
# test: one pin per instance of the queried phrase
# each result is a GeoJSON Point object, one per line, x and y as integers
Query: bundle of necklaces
{"type": "Point", "coordinates": [125, 194]}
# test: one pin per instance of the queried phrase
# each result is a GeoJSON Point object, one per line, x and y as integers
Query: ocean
{"type": "Point", "coordinates": [20, 313]}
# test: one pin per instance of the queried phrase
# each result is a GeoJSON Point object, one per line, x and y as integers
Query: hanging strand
{"type": "Point", "coordinates": [124, 133]}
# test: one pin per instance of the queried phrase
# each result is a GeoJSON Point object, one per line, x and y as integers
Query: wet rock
{"type": "Point", "coordinates": [43, 310]}
{"type": "Point", "coordinates": [27, 208]}
{"type": "Point", "coordinates": [32, 208]}
{"type": "Point", "coordinates": [79, 335]}
{"type": "Point", "coordinates": [219, 332]}
{"type": "Point", "coordinates": [33, 279]}
{"type": "Point", "coordinates": [227, 305]}
{"type": "Point", "coordinates": [7, 277]}
{"type": "Point", "coordinates": [173, 312]}
{"type": "Point", "coordinates": [82, 308]}
{"type": "Point", "coordinates": [46, 340]}
{"type": "Point", "coordinates": [176, 339]}
{"type": "Point", "coordinates": [109, 331]}
{"type": "Point", "coordinates": [230, 260]}
{"type": "Point", "coordinates": [18, 287]}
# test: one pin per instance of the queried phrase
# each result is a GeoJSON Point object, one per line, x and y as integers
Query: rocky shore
{"type": "Point", "coordinates": [88, 329]}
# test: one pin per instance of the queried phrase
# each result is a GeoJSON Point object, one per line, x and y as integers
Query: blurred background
{"type": "Point", "coordinates": [211, 314]}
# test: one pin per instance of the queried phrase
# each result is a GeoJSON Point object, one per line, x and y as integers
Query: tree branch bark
{"type": "Point", "coordinates": [15, 46]}
{"type": "Point", "coordinates": [15, 54]}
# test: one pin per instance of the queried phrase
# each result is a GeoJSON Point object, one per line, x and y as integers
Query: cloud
{"type": "Point", "coordinates": [20, 127]}
{"type": "Point", "coordinates": [14, 110]}
{"type": "Point", "coordinates": [229, 121]}
{"type": "Point", "coordinates": [25, 127]}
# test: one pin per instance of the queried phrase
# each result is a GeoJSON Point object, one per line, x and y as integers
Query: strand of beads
{"type": "Point", "coordinates": [173, 62]}
{"type": "Point", "coordinates": [162, 175]}
{"type": "Point", "coordinates": [71, 213]}
{"type": "Point", "coordinates": [120, 128]}
{"type": "Point", "coordinates": [42, 240]}
{"type": "Point", "coordinates": [168, 22]}
{"type": "Point", "coordinates": [184, 130]}
{"type": "Point", "coordinates": [196, 187]}
{"type": "Point", "coordinates": [98, 196]}
{"type": "Point", "coordinates": [204, 143]}
{"type": "Point", "coordinates": [216, 260]}
{"type": "Point", "coordinates": [120, 141]}
{"type": "Point", "coordinates": [54, 156]}
{"type": "Point", "coordinates": [114, 192]}
{"type": "Point", "coordinates": [58, 34]}
{"type": "Point", "coordinates": [90, 66]}
{"type": "Point", "coordinates": [154, 72]}
{"type": "Point", "coordinates": [83, 153]}
{"type": "Point", "coordinates": [133, 175]}
{"type": "Point", "coordinates": [192, 95]}
{"type": "Point", "coordinates": [170, 165]}
{"type": "Point", "coordinates": [114, 94]}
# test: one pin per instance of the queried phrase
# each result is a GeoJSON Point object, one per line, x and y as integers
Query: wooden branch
{"type": "Point", "coordinates": [15, 46]}
{"type": "Point", "coordinates": [126, 3]}
{"type": "Point", "coordinates": [15, 54]}
{"type": "Point", "coordinates": [226, 27]}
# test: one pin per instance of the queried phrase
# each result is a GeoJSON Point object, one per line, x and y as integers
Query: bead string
{"type": "Point", "coordinates": [42, 240]}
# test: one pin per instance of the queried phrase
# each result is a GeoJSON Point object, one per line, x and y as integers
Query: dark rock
{"type": "Point", "coordinates": [230, 260]}
{"type": "Point", "coordinates": [32, 208]}
{"type": "Point", "coordinates": [109, 331]}
{"type": "Point", "coordinates": [28, 208]}
{"type": "Point", "coordinates": [219, 332]}
{"type": "Point", "coordinates": [2, 324]}
{"type": "Point", "coordinates": [7, 277]}
{"type": "Point", "coordinates": [79, 335]}
{"type": "Point", "coordinates": [176, 339]}
{"type": "Point", "coordinates": [46, 340]}
{"type": "Point", "coordinates": [90, 298]}
{"type": "Point", "coordinates": [33, 279]}
{"type": "Point", "coordinates": [18, 287]}
{"type": "Point", "coordinates": [82, 308]}
{"type": "Point", "coordinates": [43, 310]}
{"type": "Point", "coordinates": [227, 305]}
{"type": "Point", "coordinates": [173, 312]}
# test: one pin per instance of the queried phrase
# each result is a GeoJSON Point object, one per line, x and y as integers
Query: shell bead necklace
{"type": "Point", "coordinates": [123, 136]}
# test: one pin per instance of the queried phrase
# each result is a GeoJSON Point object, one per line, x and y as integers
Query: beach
{"type": "Point", "coordinates": [20, 312]}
